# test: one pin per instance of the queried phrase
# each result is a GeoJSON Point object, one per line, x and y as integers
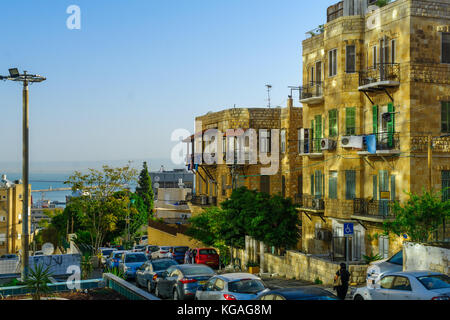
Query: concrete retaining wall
{"type": "Point", "coordinates": [422, 257]}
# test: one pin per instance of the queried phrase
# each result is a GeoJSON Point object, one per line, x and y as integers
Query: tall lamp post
{"type": "Point", "coordinates": [25, 78]}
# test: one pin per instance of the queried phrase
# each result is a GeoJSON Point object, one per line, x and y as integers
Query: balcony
{"type": "Point", "coordinates": [311, 148]}
{"type": "Point", "coordinates": [386, 144]}
{"type": "Point", "coordinates": [311, 204]}
{"type": "Point", "coordinates": [379, 77]}
{"type": "Point", "coordinates": [372, 210]}
{"type": "Point", "coordinates": [312, 93]}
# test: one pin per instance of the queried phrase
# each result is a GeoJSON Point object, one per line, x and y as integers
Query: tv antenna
{"type": "Point", "coordinates": [268, 86]}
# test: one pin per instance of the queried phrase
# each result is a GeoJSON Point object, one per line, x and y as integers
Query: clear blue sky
{"type": "Point", "coordinates": [138, 69]}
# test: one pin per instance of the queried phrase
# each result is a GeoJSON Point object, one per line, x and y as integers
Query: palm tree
{"type": "Point", "coordinates": [37, 281]}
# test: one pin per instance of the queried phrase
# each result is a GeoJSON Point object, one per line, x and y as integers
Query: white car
{"type": "Point", "coordinates": [407, 285]}
{"type": "Point", "coordinates": [378, 268]}
{"type": "Point", "coordinates": [162, 253]}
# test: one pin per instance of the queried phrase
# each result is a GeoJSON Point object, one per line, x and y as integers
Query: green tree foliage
{"type": "Point", "coordinates": [420, 216]}
{"type": "Point", "coordinates": [38, 280]}
{"type": "Point", "coordinates": [271, 219]}
{"type": "Point", "coordinates": [144, 188]}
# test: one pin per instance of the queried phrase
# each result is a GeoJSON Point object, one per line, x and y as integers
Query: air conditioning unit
{"type": "Point", "coordinates": [317, 204]}
{"type": "Point", "coordinates": [327, 144]}
{"type": "Point", "coordinates": [352, 142]}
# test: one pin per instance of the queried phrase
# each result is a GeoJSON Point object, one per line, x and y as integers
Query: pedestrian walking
{"type": "Point", "coordinates": [192, 257]}
{"type": "Point", "coordinates": [187, 259]}
{"type": "Point", "coordinates": [341, 280]}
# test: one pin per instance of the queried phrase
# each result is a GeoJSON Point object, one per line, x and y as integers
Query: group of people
{"type": "Point", "coordinates": [189, 257]}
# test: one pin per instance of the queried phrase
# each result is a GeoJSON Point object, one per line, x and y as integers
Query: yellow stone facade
{"type": "Point", "coordinates": [11, 213]}
{"type": "Point", "coordinates": [410, 33]}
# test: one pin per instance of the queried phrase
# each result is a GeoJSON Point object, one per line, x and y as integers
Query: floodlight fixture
{"type": "Point", "coordinates": [14, 72]}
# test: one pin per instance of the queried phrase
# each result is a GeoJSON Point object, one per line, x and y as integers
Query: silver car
{"type": "Point", "coordinates": [378, 268]}
{"type": "Point", "coordinates": [232, 286]}
{"type": "Point", "coordinates": [408, 285]}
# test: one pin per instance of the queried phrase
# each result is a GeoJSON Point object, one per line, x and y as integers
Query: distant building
{"type": "Point", "coordinates": [171, 179]}
{"type": "Point", "coordinates": [11, 213]}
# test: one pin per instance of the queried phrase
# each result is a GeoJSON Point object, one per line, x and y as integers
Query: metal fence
{"type": "Point", "coordinates": [380, 72]}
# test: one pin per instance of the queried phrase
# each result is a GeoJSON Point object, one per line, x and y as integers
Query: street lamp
{"type": "Point", "coordinates": [25, 78]}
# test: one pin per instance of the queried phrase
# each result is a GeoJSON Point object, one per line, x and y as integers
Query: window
{"type": "Point", "coordinates": [318, 72]}
{"type": "Point", "coordinates": [332, 184]}
{"type": "Point", "coordinates": [435, 282]}
{"type": "Point", "coordinates": [445, 185]}
{"type": "Point", "coordinates": [350, 184]}
{"type": "Point", "coordinates": [386, 282]}
{"type": "Point", "coordinates": [383, 246]}
{"type": "Point", "coordinates": [350, 121]}
{"type": "Point", "coordinates": [317, 184]}
{"type": "Point", "coordinates": [264, 141]}
{"type": "Point", "coordinates": [445, 47]}
{"type": "Point", "coordinates": [445, 117]}
{"type": "Point", "coordinates": [265, 184]}
{"type": "Point", "coordinates": [283, 140]}
{"type": "Point", "coordinates": [401, 283]}
{"type": "Point", "coordinates": [332, 123]}
{"type": "Point", "coordinates": [374, 56]}
{"type": "Point", "coordinates": [311, 76]}
{"type": "Point", "coordinates": [393, 50]}
{"type": "Point", "coordinates": [350, 59]}
{"type": "Point", "coordinates": [332, 62]}
{"type": "Point", "coordinates": [317, 132]}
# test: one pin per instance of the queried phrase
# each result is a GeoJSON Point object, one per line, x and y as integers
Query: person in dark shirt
{"type": "Point", "coordinates": [341, 281]}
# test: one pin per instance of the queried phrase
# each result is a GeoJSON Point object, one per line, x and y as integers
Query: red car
{"type": "Point", "coordinates": [206, 256]}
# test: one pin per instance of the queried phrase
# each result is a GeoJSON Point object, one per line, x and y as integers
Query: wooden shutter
{"type": "Point", "coordinates": [393, 188]}
{"type": "Point", "coordinates": [350, 184]}
{"type": "Point", "coordinates": [375, 119]}
{"type": "Point", "coordinates": [390, 125]}
{"type": "Point", "coordinates": [375, 187]}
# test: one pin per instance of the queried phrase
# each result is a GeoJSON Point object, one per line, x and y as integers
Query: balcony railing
{"type": "Point", "coordinates": [380, 72]}
{"type": "Point", "coordinates": [380, 209]}
{"type": "Point", "coordinates": [311, 146]}
{"type": "Point", "coordinates": [385, 141]}
{"type": "Point", "coordinates": [313, 92]}
{"type": "Point", "coordinates": [312, 202]}
{"type": "Point", "coordinates": [298, 200]}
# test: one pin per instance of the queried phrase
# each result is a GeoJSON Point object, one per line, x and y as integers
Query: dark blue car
{"type": "Point", "coordinates": [178, 253]}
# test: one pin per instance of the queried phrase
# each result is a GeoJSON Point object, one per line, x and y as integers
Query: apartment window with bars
{"type": "Point", "coordinates": [350, 59]}
{"type": "Point", "coordinates": [332, 123]}
{"type": "Point", "coordinates": [332, 62]}
{"type": "Point", "coordinates": [350, 121]}
{"type": "Point", "coordinates": [393, 50]}
{"type": "Point", "coordinates": [445, 185]}
{"type": "Point", "coordinates": [445, 117]}
{"type": "Point", "coordinates": [445, 47]}
{"type": "Point", "coordinates": [264, 141]}
{"type": "Point", "coordinates": [332, 184]}
{"type": "Point", "coordinates": [350, 184]}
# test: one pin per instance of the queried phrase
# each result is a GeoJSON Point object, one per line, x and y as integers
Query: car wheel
{"type": "Point", "coordinates": [157, 292]}
{"type": "Point", "coordinates": [358, 298]}
{"type": "Point", "coordinates": [149, 287]}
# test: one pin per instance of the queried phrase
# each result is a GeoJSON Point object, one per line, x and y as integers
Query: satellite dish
{"type": "Point", "coordinates": [157, 178]}
{"type": "Point", "coordinates": [48, 248]}
{"type": "Point", "coordinates": [156, 185]}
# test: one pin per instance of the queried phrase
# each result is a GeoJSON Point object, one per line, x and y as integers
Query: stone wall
{"type": "Point", "coordinates": [422, 257]}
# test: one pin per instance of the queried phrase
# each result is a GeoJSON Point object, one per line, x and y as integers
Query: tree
{"type": "Point", "coordinates": [144, 188]}
{"type": "Point", "coordinates": [100, 209]}
{"type": "Point", "coordinates": [419, 217]}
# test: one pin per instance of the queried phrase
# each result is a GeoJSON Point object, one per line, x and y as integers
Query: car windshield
{"type": "Point", "coordinates": [397, 258]}
{"type": "Point", "coordinates": [130, 258]}
{"type": "Point", "coordinates": [207, 251]}
{"type": "Point", "coordinates": [181, 250]}
{"type": "Point", "coordinates": [163, 265]}
{"type": "Point", "coordinates": [439, 281]}
{"type": "Point", "coordinates": [118, 254]}
{"type": "Point", "coordinates": [197, 270]}
{"type": "Point", "coordinates": [246, 286]}
{"type": "Point", "coordinates": [107, 252]}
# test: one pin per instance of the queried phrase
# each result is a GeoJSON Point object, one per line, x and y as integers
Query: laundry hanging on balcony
{"type": "Point", "coordinates": [371, 143]}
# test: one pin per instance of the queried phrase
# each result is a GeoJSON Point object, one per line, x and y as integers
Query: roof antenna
{"type": "Point", "coordinates": [268, 86]}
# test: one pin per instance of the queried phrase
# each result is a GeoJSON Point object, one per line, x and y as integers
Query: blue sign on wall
{"type": "Point", "coordinates": [348, 229]}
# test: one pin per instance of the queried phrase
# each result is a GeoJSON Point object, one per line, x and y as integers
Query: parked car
{"type": "Point", "coordinates": [9, 257]}
{"type": "Point", "coordinates": [105, 253]}
{"type": "Point", "coordinates": [299, 293]}
{"type": "Point", "coordinates": [114, 259]}
{"type": "Point", "coordinates": [118, 247]}
{"type": "Point", "coordinates": [178, 253]}
{"type": "Point", "coordinates": [150, 249]}
{"type": "Point", "coordinates": [139, 248]}
{"type": "Point", "coordinates": [232, 286]}
{"type": "Point", "coordinates": [207, 256]}
{"type": "Point", "coordinates": [130, 262]}
{"type": "Point", "coordinates": [407, 285]}
{"type": "Point", "coordinates": [378, 268]}
{"type": "Point", "coordinates": [180, 282]}
{"type": "Point", "coordinates": [147, 274]}
{"type": "Point", "coordinates": [162, 252]}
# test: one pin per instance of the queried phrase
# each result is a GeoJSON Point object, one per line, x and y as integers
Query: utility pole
{"type": "Point", "coordinates": [25, 78]}
{"type": "Point", "coordinates": [268, 86]}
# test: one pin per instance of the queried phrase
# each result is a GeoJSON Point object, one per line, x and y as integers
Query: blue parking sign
{"type": "Point", "coordinates": [348, 229]}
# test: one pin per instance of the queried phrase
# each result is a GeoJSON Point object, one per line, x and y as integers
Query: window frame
{"type": "Point", "coordinates": [332, 71]}
{"type": "Point", "coordinates": [346, 59]}
{"type": "Point", "coordinates": [333, 128]}
{"type": "Point", "coordinates": [333, 181]}
{"type": "Point", "coordinates": [347, 118]}
{"type": "Point", "coordinates": [445, 105]}
{"type": "Point", "coordinates": [442, 48]}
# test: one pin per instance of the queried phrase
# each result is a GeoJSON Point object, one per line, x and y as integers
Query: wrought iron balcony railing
{"type": "Point", "coordinates": [312, 202]}
{"type": "Point", "coordinates": [310, 146]}
{"type": "Point", "coordinates": [373, 208]}
{"type": "Point", "coordinates": [385, 141]}
{"type": "Point", "coordinates": [380, 72]}
{"type": "Point", "coordinates": [312, 90]}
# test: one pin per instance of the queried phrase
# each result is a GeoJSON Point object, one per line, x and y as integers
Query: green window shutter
{"type": "Point", "coordinates": [391, 125]}
{"type": "Point", "coordinates": [350, 121]}
{"type": "Point", "coordinates": [312, 185]}
{"type": "Point", "coordinates": [318, 132]}
{"type": "Point", "coordinates": [384, 180]}
{"type": "Point", "coordinates": [445, 117]}
{"type": "Point", "coordinates": [332, 123]}
{"type": "Point", "coordinates": [350, 184]}
{"type": "Point", "coordinates": [375, 119]}
{"type": "Point", "coordinates": [375, 188]}
{"type": "Point", "coordinates": [393, 188]}
{"type": "Point", "coordinates": [445, 185]}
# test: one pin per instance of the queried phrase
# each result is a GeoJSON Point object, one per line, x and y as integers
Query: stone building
{"type": "Point", "coordinates": [214, 181]}
{"type": "Point", "coordinates": [376, 85]}
{"type": "Point", "coordinates": [11, 213]}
